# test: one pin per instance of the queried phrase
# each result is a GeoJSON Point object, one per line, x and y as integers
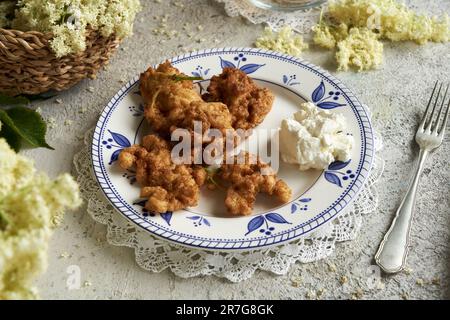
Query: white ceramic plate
{"type": "Point", "coordinates": [318, 196]}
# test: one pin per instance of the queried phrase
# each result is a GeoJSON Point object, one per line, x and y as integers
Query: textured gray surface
{"type": "Point", "coordinates": [396, 94]}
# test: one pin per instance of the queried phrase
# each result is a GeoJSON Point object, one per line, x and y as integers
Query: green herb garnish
{"type": "Point", "coordinates": [177, 77]}
{"type": "Point", "coordinates": [212, 171]}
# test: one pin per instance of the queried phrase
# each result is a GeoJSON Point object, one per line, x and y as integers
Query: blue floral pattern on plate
{"type": "Point", "coordinates": [268, 220]}
{"type": "Point", "coordinates": [166, 216]}
{"type": "Point", "coordinates": [122, 143]}
{"type": "Point", "coordinates": [199, 221]}
{"type": "Point", "coordinates": [322, 101]}
{"type": "Point", "coordinates": [290, 80]}
{"type": "Point", "coordinates": [238, 59]}
{"type": "Point", "coordinates": [200, 72]}
{"type": "Point", "coordinates": [138, 111]}
{"type": "Point", "coordinates": [130, 175]}
{"type": "Point", "coordinates": [334, 176]}
{"type": "Point", "coordinates": [300, 205]}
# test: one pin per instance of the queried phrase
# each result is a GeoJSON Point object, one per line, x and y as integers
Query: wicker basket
{"type": "Point", "coordinates": [28, 66]}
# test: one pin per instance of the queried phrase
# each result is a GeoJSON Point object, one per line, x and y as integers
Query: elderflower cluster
{"type": "Point", "coordinates": [285, 41]}
{"type": "Point", "coordinates": [355, 27]}
{"type": "Point", "coordinates": [31, 205]}
{"type": "Point", "coordinates": [68, 20]}
{"type": "Point", "coordinates": [361, 49]}
{"type": "Point", "coordinates": [392, 20]}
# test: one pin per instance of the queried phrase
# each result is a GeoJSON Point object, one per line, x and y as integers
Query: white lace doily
{"type": "Point", "coordinates": [301, 20]}
{"type": "Point", "coordinates": [155, 254]}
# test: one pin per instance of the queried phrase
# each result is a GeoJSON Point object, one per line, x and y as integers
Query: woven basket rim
{"type": "Point", "coordinates": [46, 34]}
{"type": "Point", "coordinates": [43, 39]}
{"type": "Point", "coordinates": [30, 32]}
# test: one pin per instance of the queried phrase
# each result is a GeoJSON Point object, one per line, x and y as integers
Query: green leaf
{"type": "Point", "coordinates": [23, 100]}
{"type": "Point", "coordinates": [8, 101]}
{"type": "Point", "coordinates": [4, 221]}
{"type": "Point", "coordinates": [12, 138]}
{"type": "Point", "coordinates": [41, 97]}
{"type": "Point", "coordinates": [32, 128]}
{"type": "Point", "coordinates": [8, 132]}
{"type": "Point", "coordinates": [27, 124]}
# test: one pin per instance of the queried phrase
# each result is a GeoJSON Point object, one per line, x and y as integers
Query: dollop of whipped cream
{"type": "Point", "coordinates": [315, 138]}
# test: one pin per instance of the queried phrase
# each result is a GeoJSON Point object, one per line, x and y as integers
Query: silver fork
{"type": "Point", "coordinates": [393, 250]}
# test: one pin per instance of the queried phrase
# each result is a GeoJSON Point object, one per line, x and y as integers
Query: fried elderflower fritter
{"type": "Point", "coordinates": [248, 176]}
{"type": "Point", "coordinates": [171, 102]}
{"type": "Point", "coordinates": [166, 185]}
{"type": "Point", "coordinates": [248, 103]}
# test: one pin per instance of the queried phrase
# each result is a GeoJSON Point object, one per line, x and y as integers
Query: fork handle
{"type": "Point", "coordinates": [391, 255]}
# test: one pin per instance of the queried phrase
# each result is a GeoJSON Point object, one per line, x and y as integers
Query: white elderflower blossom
{"type": "Point", "coordinates": [285, 41]}
{"type": "Point", "coordinates": [31, 205]}
{"type": "Point", "coordinates": [68, 20]}
{"type": "Point", "coordinates": [390, 18]}
{"type": "Point", "coordinates": [361, 49]}
{"type": "Point", "coordinates": [355, 28]}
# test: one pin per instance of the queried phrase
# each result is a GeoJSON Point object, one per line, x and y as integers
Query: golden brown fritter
{"type": "Point", "coordinates": [248, 103]}
{"type": "Point", "coordinates": [167, 186]}
{"type": "Point", "coordinates": [235, 102]}
{"type": "Point", "coordinates": [171, 103]}
{"type": "Point", "coordinates": [247, 178]}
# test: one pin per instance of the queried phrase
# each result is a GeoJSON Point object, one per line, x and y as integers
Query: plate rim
{"type": "Point", "coordinates": [366, 166]}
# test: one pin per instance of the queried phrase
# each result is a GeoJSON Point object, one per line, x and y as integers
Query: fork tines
{"type": "Point", "coordinates": [431, 123]}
